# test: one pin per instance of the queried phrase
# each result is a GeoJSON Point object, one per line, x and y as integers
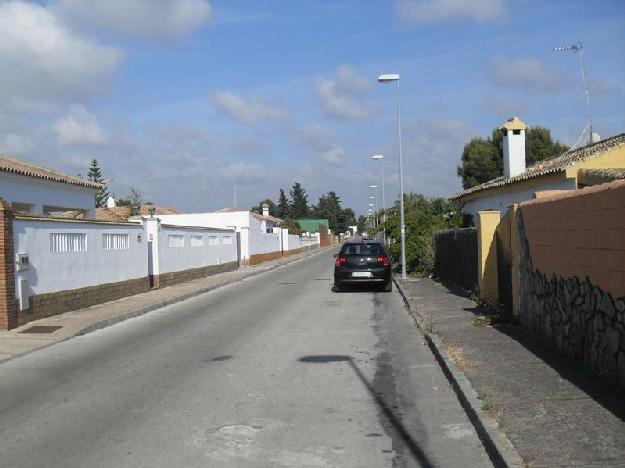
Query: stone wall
{"type": "Point", "coordinates": [574, 313]}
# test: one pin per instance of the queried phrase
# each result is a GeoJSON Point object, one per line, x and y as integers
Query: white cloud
{"type": "Point", "coordinates": [13, 144]}
{"type": "Point", "coordinates": [528, 74]}
{"type": "Point", "coordinates": [149, 19]}
{"type": "Point", "coordinates": [43, 61]}
{"type": "Point", "coordinates": [422, 11]}
{"type": "Point", "coordinates": [322, 141]}
{"type": "Point", "coordinates": [344, 97]}
{"type": "Point", "coordinates": [80, 127]}
{"type": "Point", "coordinates": [247, 111]}
{"type": "Point", "coordinates": [433, 148]}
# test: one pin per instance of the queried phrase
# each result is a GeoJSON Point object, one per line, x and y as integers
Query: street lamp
{"type": "Point", "coordinates": [578, 47]}
{"type": "Point", "coordinates": [380, 158]}
{"type": "Point", "coordinates": [375, 208]}
{"type": "Point", "coordinates": [389, 78]}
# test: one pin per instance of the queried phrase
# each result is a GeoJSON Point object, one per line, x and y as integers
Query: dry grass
{"type": "Point", "coordinates": [456, 354]}
{"type": "Point", "coordinates": [483, 321]}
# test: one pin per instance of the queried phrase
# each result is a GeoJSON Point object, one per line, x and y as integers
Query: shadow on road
{"type": "Point", "coordinates": [390, 416]}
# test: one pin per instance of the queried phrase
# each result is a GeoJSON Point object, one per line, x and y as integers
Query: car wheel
{"type": "Point", "coordinates": [388, 286]}
{"type": "Point", "coordinates": [337, 287]}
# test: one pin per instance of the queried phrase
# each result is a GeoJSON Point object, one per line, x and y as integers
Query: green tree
{"type": "Point", "coordinates": [299, 202]}
{"type": "Point", "coordinates": [134, 200]}
{"type": "Point", "coordinates": [291, 225]}
{"type": "Point", "coordinates": [283, 205]}
{"type": "Point", "coordinates": [329, 207]}
{"type": "Point", "coordinates": [482, 158]}
{"type": "Point", "coordinates": [95, 175]}
{"type": "Point", "coordinates": [423, 217]}
{"type": "Point", "coordinates": [361, 223]}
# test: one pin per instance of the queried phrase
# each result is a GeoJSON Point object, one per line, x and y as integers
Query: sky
{"type": "Point", "coordinates": [185, 99]}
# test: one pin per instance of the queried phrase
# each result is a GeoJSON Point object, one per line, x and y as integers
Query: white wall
{"type": "Point", "coordinates": [260, 242]}
{"type": "Point", "coordinates": [501, 201]}
{"type": "Point", "coordinates": [172, 259]}
{"type": "Point", "coordinates": [57, 271]}
{"type": "Point", "coordinates": [294, 242]}
{"type": "Point", "coordinates": [239, 219]}
{"type": "Point", "coordinates": [16, 188]}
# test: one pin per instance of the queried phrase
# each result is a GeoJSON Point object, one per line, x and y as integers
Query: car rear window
{"type": "Point", "coordinates": [362, 249]}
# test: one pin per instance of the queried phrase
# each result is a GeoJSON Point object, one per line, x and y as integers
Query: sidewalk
{"type": "Point", "coordinates": [553, 410]}
{"type": "Point", "coordinates": [79, 322]}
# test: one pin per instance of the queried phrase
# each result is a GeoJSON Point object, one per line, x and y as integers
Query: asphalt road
{"type": "Point", "coordinates": [275, 371]}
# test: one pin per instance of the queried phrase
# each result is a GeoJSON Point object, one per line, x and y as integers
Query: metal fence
{"type": "Point", "coordinates": [455, 257]}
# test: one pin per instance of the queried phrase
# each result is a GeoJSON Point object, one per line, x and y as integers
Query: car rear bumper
{"type": "Point", "coordinates": [378, 275]}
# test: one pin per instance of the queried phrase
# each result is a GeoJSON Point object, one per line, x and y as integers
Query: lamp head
{"type": "Point", "coordinates": [377, 156]}
{"type": "Point", "coordinates": [387, 78]}
{"type": "Point", "coordinates": [373, 186]}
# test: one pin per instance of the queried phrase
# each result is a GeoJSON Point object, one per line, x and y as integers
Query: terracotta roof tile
{"type": "Point", "coordinates": [549, 166]}
{"type": "Point", "coordinates": [31, 170]}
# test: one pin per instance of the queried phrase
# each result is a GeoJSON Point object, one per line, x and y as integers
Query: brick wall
{"type": "Point", "coordinates": [46, 305]}
{"type": "Point", "coordinates": [8, 305]}
{"type": "Point", "coordinates": [259, 258]}
{"type": "Point", "coordinates": [580, 233]}
{"type": "Point", "coordinates": [167, 279]}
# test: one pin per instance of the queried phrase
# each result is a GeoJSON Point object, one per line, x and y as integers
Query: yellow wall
{"type": "Point", "coordinates": [611, 159]}
{"type": "Point", "coordinates": [488, 279]}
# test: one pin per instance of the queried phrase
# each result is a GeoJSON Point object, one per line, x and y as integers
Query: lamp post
{"type": "Point", "coordinates": [380, 158]}
{"type": "Point", "coordinates": [389, 78]}
{"type": "Point", "coordinates": [578, 48]}
{"type": "Point", "coordinates": [376, 207]}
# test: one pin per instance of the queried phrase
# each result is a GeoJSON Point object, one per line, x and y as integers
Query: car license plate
{"type": "Point", "coordinates": [362, 274]}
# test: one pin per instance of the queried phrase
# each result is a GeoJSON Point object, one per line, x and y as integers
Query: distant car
{"type": "Point", "coordinates": [362, 262]}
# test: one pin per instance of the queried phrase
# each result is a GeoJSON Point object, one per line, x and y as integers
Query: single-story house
{"type": "Point", "coordinates": [259, 233]}
{"type": "Point", "coordinates": [37, 190]}
{"type": "Point", "coordinates": [592, 164]}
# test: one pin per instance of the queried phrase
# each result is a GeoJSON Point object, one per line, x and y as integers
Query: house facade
{"type": "Point", "coordinates": [595, 163]}
{"type": "Point", "coordinates": [36, 190]}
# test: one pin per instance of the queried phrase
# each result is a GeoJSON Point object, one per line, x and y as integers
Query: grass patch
{"type": "Point", "coordinates": [456, 354]}
{"type": "Point", "coordinates": [485, 320]}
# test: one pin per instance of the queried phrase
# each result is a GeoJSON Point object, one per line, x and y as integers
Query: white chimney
{"type": "Point", "coordinates": [110, 202]}
{"type": "Point", "coordinates": [265, 209]}
{"type": "Point", "coordinates": [513, 147]}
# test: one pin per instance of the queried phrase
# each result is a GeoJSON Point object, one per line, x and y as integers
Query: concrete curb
{"type": "Point", "coordinates": [497, 445]}
{"type": "Point", "coordinates": [183, 297]}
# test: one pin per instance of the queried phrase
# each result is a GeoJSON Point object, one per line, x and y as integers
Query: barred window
{"type": "Point", "coordinates": [68, 242]}
{"type": "Point", "coordinates": [213, 241]}
{"type": "Point", "coordinates": [174, 240]}
{"type": "Point", "coordinates": [116, 241]}
{"type": "Point", "coordinates": [227, 240]}
{"type": "Point", "coordinates": [197, 241]}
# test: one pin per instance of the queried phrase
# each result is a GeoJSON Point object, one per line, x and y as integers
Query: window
{"type": "Point", "coordinates": [227, 240]}
{"type": "Point", "coordinates": [68, 242]}
{"type": "Point", "coordinates": [213, 241]}
{"type": "Point", "coordinates": [115, 241]}
{"type": "Point", "coordinates": [175, 241]}
{"type": "Point", "coordinates": [197, 241]}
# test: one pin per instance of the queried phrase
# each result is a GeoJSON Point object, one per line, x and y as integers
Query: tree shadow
{"type": "Point", "coordinates": [394, 421]}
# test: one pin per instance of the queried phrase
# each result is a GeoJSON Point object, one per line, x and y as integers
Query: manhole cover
{"type": "Point", "coordinates": [42, 329]}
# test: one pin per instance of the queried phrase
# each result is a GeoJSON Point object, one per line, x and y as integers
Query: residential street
{"type": "Point", "coordinates": [276, 370]}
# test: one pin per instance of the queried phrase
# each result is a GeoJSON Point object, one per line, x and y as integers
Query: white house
{"type": "Point", "coordinates": [259, 233]}
{"type": "Point", "coordinates": [567, 171]}
{"type": "Point", "coordinates": [36, 190]}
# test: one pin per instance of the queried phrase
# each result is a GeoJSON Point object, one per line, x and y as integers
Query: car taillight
{"type": "Point", "coordinates": [385, 260]}
{"type": "Point", "coordinates": [339, 261]}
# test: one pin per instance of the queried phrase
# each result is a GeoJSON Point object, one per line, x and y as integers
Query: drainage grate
{"type": "Point", "coordinates": [287, 283]}
{"type": "Point", "coordinates": [42, 329]}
